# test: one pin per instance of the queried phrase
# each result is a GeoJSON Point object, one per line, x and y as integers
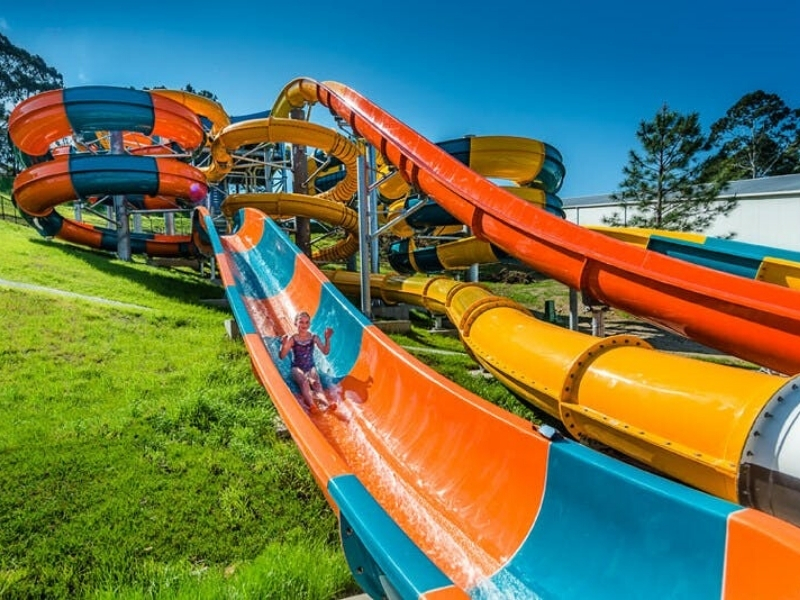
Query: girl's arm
{"type": "Point", "coordinates": [326, 347]}
{"type": "Point", "coordinates": [286, 345]}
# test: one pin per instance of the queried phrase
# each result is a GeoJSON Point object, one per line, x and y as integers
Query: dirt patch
{"type": "Point", "coordinates": [618, 323]}
{"type": "Point", "coordinates": [660, 339]}
{"type": "Point", "coordinates": [513, 282]}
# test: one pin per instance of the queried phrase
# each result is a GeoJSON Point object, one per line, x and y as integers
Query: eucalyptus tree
{"type": "Point", "coordinates": [759, 136]}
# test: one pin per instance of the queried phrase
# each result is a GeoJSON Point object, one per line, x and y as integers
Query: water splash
{"type": "Point", "coordinates": [417, 511]}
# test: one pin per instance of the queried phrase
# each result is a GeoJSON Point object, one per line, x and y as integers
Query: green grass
{"type": "Point", "coordinates": [140, 457]}
{"type": "Point", "coordinates": [446, 355]}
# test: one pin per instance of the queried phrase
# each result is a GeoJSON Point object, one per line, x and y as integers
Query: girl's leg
{"type": "Point", "coordinates": [301, 380]}
{"type": "Point", "coordinates": [316, 386]}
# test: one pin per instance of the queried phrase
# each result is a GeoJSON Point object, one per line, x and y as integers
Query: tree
{"type": "Point", "coordinates": [21, 75]}
{"type": "Point", "coordinates": [663, 184]}
{"type": "Point", "coordinates": [203, 93]}
{"type": "Point", "coordinates": [758, 136]}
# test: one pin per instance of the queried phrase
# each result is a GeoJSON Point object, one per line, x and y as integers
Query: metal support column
{"type": "Point", "coordinates": [372, 203]}
{"type": "Point", "coordinates": [120, 207]}
{"type": "Point", "coordinates": [573, 310]}
{"type": "Point", "coordinates": [302, 236]}
{"type": "Point", "coordinates": [364, 234]}
{"type": "Point", "coordinates": [473, 273]}
{"type": "Point", "coordinates": [598, 321]}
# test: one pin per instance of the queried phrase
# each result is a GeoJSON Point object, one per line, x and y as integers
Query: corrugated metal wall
{"type": "Point", "coordinates": [769, 220]}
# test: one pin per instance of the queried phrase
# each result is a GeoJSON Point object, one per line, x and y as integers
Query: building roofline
{"type": "Point", "coordinates": [777, 185]}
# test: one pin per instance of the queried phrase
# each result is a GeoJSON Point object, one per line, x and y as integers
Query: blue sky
{"type": "Point", "coordinates": [578, 75]}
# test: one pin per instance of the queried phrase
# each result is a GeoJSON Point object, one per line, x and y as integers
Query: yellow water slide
{"type": "Point", "coordinates": [329, 206]}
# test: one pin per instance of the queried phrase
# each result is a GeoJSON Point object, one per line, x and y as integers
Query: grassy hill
{"type": "Point", "coordinates": [140, 456]}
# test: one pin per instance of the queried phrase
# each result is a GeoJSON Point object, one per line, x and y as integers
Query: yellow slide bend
{"type": "Point", "coordinates": [328, 206]}
{"type": "Point", "coordinates": [683, 417]}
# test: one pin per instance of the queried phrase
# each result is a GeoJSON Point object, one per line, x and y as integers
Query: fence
{"type": "Point", "coordinates": [163, 222]}
{"type": "Point", "coordinates": [9, 212]}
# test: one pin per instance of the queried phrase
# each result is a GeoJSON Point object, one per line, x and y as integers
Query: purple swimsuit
{"type": "Point", "coordinates": [303, 354]}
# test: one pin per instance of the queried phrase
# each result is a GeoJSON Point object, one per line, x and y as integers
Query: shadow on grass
{"type": "Point", "coordinates": [185, 285]}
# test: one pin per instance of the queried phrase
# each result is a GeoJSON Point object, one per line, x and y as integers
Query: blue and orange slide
{"type": "Point", "coordinates": [54, 177]}
{"type": "Point", "coordinates": [441, 494]}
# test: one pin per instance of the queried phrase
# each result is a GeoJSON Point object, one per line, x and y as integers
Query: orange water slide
{"type": "Point", "coordinates": [749, 319]}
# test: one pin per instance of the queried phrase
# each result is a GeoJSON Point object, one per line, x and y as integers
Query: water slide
{"type": "Point", "coordinates": [534, 169]}
{"type": "Point", "coordinates": [451, 495]}
{"type": "Point", "coordinates": [329, 205]}
{"type": "Point", "coordinates": [453, 252]}
{"type": "Point", "coordinates": [754, 261]}
{"type": "Point", "coordinates": [440, 494]}
{"type": "Point", "coordinates": [140, 168]}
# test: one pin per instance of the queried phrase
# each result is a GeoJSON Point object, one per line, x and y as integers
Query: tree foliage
{"type": "Point", "coordinates": [759, 136]}
{"type": "Point", "coordinates": [203, 93]}
{"type": "Point", "coordinates": [22, 74]}
{"type": "Point", "coordinates": [663, 186]}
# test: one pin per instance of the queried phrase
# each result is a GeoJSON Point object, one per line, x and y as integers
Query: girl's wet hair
{"type": "Point", "coordinates": [300, 315]}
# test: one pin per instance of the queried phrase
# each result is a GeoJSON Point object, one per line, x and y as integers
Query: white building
{"type": "Point", "coordinates": [768, 212]}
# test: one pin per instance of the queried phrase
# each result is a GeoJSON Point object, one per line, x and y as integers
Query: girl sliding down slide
{"type": "Point", "coordinates": [304, 371]}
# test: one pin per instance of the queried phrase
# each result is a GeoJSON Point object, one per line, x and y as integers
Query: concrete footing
{"type": "Point", "coordinates": [398, 326]}
{"type": "Point", "coordinates": [232, 329]}
{"type": "Point", "coordinates": [392, 319]}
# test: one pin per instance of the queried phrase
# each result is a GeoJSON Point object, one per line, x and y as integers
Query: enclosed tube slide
{"type": "Point", "coordinates": [38, 124]}
{"type": "Point", "coordinates": [754, 261]}
{"type": "Point", "coordinates": [440, 494]}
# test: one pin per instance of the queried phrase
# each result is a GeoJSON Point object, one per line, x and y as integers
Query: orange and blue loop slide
{"type": "Point", "coordinates": [441, 494]}
{"type": "Point", "coordinates": [53, 177]}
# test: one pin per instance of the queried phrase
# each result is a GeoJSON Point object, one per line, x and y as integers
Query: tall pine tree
{"type": "Point", "coordinates": [663, 186]}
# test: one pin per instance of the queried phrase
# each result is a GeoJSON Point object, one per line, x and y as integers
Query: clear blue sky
{"type": "Point", "coordinates": [578, 75]}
